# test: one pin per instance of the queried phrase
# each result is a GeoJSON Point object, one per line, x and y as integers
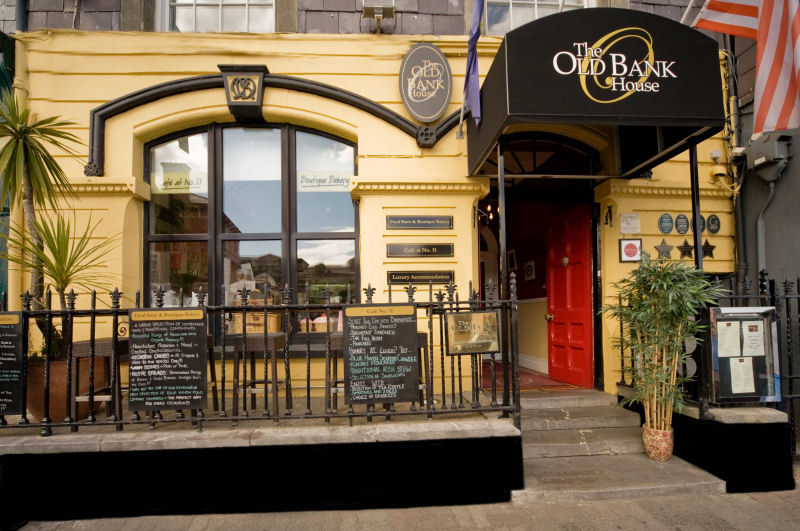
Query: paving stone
{"type": "Point", "coordinates": [607, 477]}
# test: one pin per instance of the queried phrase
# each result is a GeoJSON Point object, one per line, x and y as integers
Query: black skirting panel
{"type": "Point", "coordinates": [258, 479]}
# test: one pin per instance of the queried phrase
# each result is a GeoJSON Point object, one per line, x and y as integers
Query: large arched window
{"type": "Point", "coordinates": [255, 207]}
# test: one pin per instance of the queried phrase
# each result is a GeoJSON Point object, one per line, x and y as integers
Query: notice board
{"type": "Point", "coordinates": [167, 368]}
{"type": "Point", "coordinates": [744, 344]}
{"type": "Point", "coordinates": [381, 356]}
{"type": "Point", "coordinates": [11, 359]}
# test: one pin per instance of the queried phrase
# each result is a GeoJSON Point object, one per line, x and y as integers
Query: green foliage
{"type": "Point", "coordinates": [68, 257]}
{"type": "Point", "coordinates": [659, 302]}
{"type": "Point", "coordinates": [25, 152]}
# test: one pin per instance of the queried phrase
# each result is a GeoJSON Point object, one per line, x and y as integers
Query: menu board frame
{"type": "Point", "coordinates": [194, 354]}
{"type": "Point", "coordinates": [744, 354]}
{"type": "Point", "coordinates": [362, 355]}
{"type": "Point", "coordinates": [11, 390]}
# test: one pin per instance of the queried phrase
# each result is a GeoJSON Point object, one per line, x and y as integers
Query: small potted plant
{"type": "Point", "coordinates": [658, 304]}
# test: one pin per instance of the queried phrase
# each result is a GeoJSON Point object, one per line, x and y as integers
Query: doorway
{"type": "Point", "coordinates": [550, 248]}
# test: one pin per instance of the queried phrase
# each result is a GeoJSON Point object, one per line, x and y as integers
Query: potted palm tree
{"type": "Point", "coordinates": [658, 304]}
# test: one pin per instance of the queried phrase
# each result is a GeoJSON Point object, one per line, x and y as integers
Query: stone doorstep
{"type": "Point", "coordinates": [579, 417]}
{"type": "Point", "coordinates": [608, 477]}
{"type": "Point", "coordinates": [582, 442]}
{"type": "Point", "coordinates": [566, 399]}
{"type": "Point", "coordinates": [245, 436]}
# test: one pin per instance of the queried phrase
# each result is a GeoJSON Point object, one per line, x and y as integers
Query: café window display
{"type": "Point", "coordinates": [250, 207]}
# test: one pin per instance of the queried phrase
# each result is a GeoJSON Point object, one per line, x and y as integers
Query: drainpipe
{"type": "Point", "coordinates": [22, 15]}
{"type": "Point", "coordinates": [761, 228]}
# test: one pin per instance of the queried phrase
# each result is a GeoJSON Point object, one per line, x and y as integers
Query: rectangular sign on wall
{"type": "Point", "coordinates": [420, 277]}
{"type": "Point", "coordinates": [419, 222]}
{"type": "Point", "coordinates": [400, 250]}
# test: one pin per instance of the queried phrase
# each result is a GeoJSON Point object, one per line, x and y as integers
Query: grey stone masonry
{"type": "Point", "coordinates": [93, 15]}
{"type": "Point", "coordinates": [425, 17]}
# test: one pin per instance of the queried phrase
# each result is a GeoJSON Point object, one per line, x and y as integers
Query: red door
{"type": "Point", "coordinates": [569, 297]}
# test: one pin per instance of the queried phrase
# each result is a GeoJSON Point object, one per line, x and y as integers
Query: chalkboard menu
{"type": "Point", "coordinates": [167, 359]}
{"type": "Point", "coordinates": [381, 359]}
{"type": "Point", "coordinates": [11, 354]}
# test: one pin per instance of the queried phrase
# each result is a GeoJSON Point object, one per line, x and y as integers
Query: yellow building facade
{"type": "Point", "coordinates": [71, 73]}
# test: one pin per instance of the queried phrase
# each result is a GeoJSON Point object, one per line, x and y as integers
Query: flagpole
{"type": "Point", "coordinates": [460, 132]}
{"type": "Point", "coordinates": [686, 13]}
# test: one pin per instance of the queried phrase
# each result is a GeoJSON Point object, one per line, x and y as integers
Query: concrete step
{"type": "Point", "coordinates": [575, 442]}
{"type": "Point", "coordinates": [579, 417]}
{"type": "Point", "coordinates": [565, 399]}
{"type": "Point", "coordinates": [605, 477]}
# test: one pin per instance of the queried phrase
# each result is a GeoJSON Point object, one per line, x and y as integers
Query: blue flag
{"type": "Point", "coordinates": [472, 89]}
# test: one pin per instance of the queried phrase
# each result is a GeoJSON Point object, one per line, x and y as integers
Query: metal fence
{"type": "Point", "coordinates": [262, 386]}
{"type": "Point", "coordinates": [785, 297]}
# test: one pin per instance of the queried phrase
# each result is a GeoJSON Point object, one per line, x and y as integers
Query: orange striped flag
{"type": "Point", "coordinates": [775, 25]}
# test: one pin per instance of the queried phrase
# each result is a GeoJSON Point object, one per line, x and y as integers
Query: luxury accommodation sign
{"type": "Point", "coordinates": [426, 82]}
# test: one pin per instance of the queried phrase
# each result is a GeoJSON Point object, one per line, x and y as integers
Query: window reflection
{"type": "Point", "coordinates": [255, 265]}
{"type": "Point", "coordinates": [324, 170]}
{"type": "Point", "coordinates": [179, 186]}
{"type": "Point", "coordinates": [323, 263]}
{"type": "Point", "coordinates": [251, 180]}
{"type": "Point", "coordinates": [179, 268]}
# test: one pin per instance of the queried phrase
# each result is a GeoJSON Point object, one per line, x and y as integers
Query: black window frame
{"type": "Point", "coordinates": [215, 237]}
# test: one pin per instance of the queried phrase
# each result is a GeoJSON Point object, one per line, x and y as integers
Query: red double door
{"type": "Point", "coordinates": [570, 305]}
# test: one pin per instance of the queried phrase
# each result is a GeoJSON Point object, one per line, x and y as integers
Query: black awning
{"type": "Point", "coordinates": [655, 80]}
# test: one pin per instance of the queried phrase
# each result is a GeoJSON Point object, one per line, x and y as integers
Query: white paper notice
{"type": "Point", "coordinates": [742, 376]}
{"type": "Point", "coordinates": [728, 339]}
{"type": "Point", "coordinates": [752, 338]}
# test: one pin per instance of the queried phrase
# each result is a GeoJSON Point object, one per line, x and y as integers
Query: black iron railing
{"type": "Point", "coordinates": [262, 361]}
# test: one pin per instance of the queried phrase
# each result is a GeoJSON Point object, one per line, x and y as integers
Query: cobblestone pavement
{"type": "Point", "coordinates": [756, 511]}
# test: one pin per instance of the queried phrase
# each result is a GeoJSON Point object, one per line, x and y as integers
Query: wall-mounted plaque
{"type": "Point", "coordinates": [702, 224]}
{"type": "Point", "coordinates": [381, 358]}
{"type": "Point", "coordinates": [167, 359]}
{"type": "Point", "coordinates": [630, 250]}
{"type": "Point", "coordinates": [11, 359]}
{"type": "Point", "coordinates": [419, 222]}
{"type": "Point", "coordinates": [244, 91]}
{"type": "Point", "coordinates": [425, 82]}
{"type": "Point", "coordinates": [398, 250]}
{"type": "Point", "coordinates": [665, 223]}
{"type": "Point", "coordinates": [714, 224]}
{"type": "Point", "coordinates": [420, 277]}
{"type": "Point", "coordinates": [472, 333]}
{"type": "Point", "coordinates": [681, 224]}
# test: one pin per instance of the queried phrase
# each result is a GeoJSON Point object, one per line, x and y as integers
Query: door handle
{"type": "Point", "coordinates": [548, 317]}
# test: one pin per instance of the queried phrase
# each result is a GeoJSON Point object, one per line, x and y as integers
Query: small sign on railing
{"type": "Point", "coordinates": [472, 333]}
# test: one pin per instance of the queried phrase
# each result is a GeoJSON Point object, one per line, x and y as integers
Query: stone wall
{"type": "Point", "coordinates": [92, 15]}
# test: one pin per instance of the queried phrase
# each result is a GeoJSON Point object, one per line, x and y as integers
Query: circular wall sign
{"type": "Point", "coordinates": [631, 250]}
{"type": "Point", "coordinates": [426, 82]}
{"type": "Point", "coordinates": [665, 223]}
{"type": "Point", "coordinates": [681, 224]}
{"type": "Point", "coordinates": [702, 224]}
{"type": "Point", "coordinates": [714, 224]}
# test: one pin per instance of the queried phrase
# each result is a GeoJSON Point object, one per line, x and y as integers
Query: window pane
{"type": "Point", "coordinates": [179, 186]}
{"type": "Point", "coordinates": [233, 19]}
{"type": "Point", "coordinates": [183, 19]}
{"type": "Point", "coordinates": [324, 170]}
{"type": "Point", "coordinates": [176, 266]}
{"type": "Point", "coordinates": [207, 18]}
{"type": "Point", "coordinates": [326, 262]}
{"type": "Point", "coordinates": [255, 265]}
{"type": "Point", "coordinates": [251, 180]}
{"type": "Point", "coordinates": [523, 13]}
{"type": "Point", "coordinates": [261, 20]}
{"type": "Point", "coordinates": [497, 19]}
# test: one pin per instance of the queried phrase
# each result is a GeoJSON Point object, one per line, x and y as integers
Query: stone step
{"type": "Point", "coordinates": [575, 442]}
{"type": "Point", "coordinates": [565, 399]}
{"type": "Point", "coordinates": [605, 477]}
{"type": "Point", "coordinates": [579, 417]}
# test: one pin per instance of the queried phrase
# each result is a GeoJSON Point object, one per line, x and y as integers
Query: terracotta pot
{"type": "Point", "coordinates": [658, 443]}
{"type": "Point", "coordinates": [58, 389]}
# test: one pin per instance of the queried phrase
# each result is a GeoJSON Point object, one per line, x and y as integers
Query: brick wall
{"type": "Point", "coordinates": [427, 17]}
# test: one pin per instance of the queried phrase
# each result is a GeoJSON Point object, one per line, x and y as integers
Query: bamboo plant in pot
{"type": "Point", "coordinates": [659, 301]}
